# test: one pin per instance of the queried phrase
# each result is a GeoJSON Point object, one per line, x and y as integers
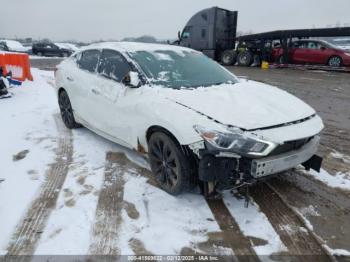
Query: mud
{"type": "Point", "coordinates": [326, 209]}
{"type": "Point", "coordinates": [138, 247]}
{"type": "Point", "coordinates": [288, 226]}
{"type": "Point", "coordinates": [109, 208]}
{"type": "Point", "coordinates": [21, 155]}
{"type": "Point", "coordinates": [231, 235]}
{"type": "Point", "coordinates": [29, 230]}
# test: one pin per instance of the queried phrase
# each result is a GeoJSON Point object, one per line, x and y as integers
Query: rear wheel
{"type": "Point", "coordinates": [168, 163]}
{"type": "Point", "coordinates": [228, 57]}
{"type": "Point", "coordinates": [67, 111]}
{"type": "Point", "coordinates": [245, 58]}
{"type": "Point", "coordinates": [335, 61]}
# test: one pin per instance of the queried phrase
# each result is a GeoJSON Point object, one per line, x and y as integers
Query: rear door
{"type": "Point", "coordinates": [300, 52]}
{"type": "Point", "coordinates": [84, 80]}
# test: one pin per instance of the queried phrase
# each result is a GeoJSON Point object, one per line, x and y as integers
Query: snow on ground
{"type": "Point", "coordinates": [254, 223]}
{"type": "Point", "coordinates": [339, 180]}
{"type": "Point", "coordinates": [166, 226]}
{"type": "Point", "coordinates": [43, 57]}
{"type": "Point", "coordinates": [27, 124]}
{"type": "Point", "coordinates": [69, 227]}
{"type": "Point", "coordinates": [343, 157]}
{"type": "Point", "coordinates": [163, 229]}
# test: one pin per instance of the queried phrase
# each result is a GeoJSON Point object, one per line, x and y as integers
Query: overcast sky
{"type": "Point", "coordinates": [87, 20]}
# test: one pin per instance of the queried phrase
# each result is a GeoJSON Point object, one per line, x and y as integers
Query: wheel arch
{"type": "Point", "coordinates": [60, 90]}
{"type": "Point", "coordinates": [155, 128]}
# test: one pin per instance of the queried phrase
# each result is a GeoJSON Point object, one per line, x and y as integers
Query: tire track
{"type": "Point", "coordinates": [301, 243]}
{"type": "Point", "coordinates": [28, 232]}
{"type": "Point", "coordinates": [110, 204]}
{"type": "Point", "coordinates": [232, 235]}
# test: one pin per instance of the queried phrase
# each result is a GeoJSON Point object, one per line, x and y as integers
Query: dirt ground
{"type": "Point", "coordinates": [279, 198]}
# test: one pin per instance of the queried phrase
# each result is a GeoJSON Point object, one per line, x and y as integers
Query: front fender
{"type": "Point", "coordinates": [175, 118]}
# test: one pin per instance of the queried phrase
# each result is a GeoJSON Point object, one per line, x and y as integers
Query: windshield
{"type": "Point", "coordinates": [330, 45]}
{"type": "Point", "coordinates": [181, 69]}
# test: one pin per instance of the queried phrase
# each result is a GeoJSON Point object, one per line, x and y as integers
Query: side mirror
{"type": "Point", "coordinates": [132, 79]}
{"type": "Point", "coordinates": [179, 35]}
{"type": "Point", "coordinates": [323, 48]}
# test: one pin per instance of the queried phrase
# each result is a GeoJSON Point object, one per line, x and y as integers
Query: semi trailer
{"type": "Point", "coordinates": [213, 31]}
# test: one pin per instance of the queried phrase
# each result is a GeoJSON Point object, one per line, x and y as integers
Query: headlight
{"type": "Point", "coordinates": [236, 141]}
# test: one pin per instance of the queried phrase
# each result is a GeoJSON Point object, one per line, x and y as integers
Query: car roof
{"type": "Point", "coordinates": [135, 47]}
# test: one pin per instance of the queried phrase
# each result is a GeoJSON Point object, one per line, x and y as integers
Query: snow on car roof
{"type": "Point", "coordinates": [134, 47]}
{"type": "Point", "coordinates": [12, 43]}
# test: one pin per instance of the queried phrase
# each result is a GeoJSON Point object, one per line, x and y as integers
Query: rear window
{"type": "Point", "coordinates": [89, 59]}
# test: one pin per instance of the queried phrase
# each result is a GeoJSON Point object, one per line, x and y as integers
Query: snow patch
{"type": "Point", "coordinates": [29, 126]}
{"type": "Point", "coordinates": [254, 223]}
{"type": "Point", "coordinates": [339, 180]}
{"type": "Point", "coordinates": [166, 223]}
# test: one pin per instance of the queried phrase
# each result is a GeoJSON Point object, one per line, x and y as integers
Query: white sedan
{"type": "Point", "coordinates": [196, 121]}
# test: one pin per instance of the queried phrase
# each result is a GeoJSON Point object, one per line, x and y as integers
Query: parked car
{"type": "Point", "coordinates": [68, 46]}
{"type": "Point", "coordinates": [13, 46]}
{"type": "Point", "coordinates": [194, 119]}
{"type": "Point", "coordinates": [343, 43]}
{"type": "Point", "coordinates": [50, 49]}
{"type": "Point", "coordinates": [313, 52]}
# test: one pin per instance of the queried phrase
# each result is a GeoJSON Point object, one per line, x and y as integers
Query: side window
{"type": "Point", "coordinates": [186, 32]}
{"type": "Point", "coordinates": [304, 45]}
{"type": "Point", "coordinates": [313, 45]}
{"type": "Point", "coordinates": [113, 65]}
{"type": "Point", "coordinates": [297, 45]}
{"type": "Point", "coordinates": [88, 60]}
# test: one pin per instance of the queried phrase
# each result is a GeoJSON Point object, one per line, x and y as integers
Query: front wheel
{"type": "Point", "coordinates": [335, 61]}
{"type": "Point", "coordinates": [168, 163]}
{"type": "Point", "coordinates": [66, 110]}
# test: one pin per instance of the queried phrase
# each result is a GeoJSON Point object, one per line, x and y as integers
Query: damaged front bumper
{"type": "Point", "coordinates": [230, 169]}
{"type": "Point", "coordinates": [275, 164]}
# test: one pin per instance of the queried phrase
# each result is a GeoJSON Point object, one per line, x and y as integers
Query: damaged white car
{"type": "Point", "coordinates": [196, 121]}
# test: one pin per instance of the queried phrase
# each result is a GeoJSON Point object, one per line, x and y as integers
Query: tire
{"type": "Point", "coordinates": [67, 111]}
{"type": "Point", "coordinates": [280, 60]}
{"type": "Point", "coordinates": [228, 57]}
{"type": "Point", "coordinates": [335, 61]}
{"type": "Point", "coordinates": [169, 164]}
{"type": "Point", "coordinates": [245, 58]}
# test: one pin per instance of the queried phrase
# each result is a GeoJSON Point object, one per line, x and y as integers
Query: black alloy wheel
{"type": "Point", "coordinates": [168, 163]}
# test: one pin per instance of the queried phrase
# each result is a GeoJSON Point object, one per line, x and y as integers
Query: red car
{"type": "Point", "coordinates": [313, 52]}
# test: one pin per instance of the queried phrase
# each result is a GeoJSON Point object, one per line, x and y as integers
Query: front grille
{"type": "Point", "coordinates": [290, 146]}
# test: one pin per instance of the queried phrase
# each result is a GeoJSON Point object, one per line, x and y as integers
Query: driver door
{"type": "Point", "coordinates": [112, 69]}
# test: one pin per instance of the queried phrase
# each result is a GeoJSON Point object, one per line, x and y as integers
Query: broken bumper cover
{"type": "Point", "coordinates": [229, 167]}
{"type": "Point", "coordinates": [275, 164]}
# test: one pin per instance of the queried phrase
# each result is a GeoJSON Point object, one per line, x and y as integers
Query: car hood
{"type": "Point", "coordinates": [247, 104]}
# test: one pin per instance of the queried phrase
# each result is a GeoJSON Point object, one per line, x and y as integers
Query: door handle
{"type": "Point", "coordinates": [95, 91]}
{"type": "Point", "coordinates": [70, 79]}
